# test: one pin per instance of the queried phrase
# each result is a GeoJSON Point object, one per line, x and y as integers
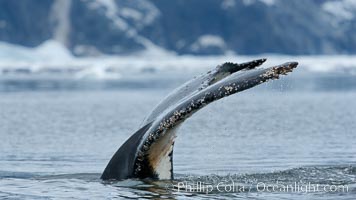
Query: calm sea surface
{"type": "Point", "coordinates": [293, 138]}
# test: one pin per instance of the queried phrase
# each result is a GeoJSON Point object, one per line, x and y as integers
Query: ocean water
{"type": "Point", "coordinates": [288, 139]}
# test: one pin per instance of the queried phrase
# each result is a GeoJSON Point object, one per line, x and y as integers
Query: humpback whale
{"type": "Point", "coordinates": [148, 153]}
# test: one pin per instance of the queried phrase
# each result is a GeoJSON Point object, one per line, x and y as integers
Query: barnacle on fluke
{"type": "Point", "coordinates": [148, 153]}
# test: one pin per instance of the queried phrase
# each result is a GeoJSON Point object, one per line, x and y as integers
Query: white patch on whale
{"type": "Point", "coordinates": [159, 157]}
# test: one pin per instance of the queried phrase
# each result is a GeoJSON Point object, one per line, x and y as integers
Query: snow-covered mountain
{"type": "Point", "coordinates": [92, 27]}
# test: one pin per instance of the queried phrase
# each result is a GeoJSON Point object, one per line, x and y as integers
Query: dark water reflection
{"type": "Point", "coordinates": [300, 81]}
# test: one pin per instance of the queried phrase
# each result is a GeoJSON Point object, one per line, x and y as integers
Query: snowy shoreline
{"type": "Point", "coordinates": [53, 58]}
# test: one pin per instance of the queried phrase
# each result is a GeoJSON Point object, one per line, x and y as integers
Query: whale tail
{"type": "Point", "coordinates": [122, 163]}
{"type": "Point", "coordinates": [149, 152]}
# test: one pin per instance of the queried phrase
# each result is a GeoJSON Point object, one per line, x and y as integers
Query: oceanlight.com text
{"type": "Point", "coordinates": [232, 187]}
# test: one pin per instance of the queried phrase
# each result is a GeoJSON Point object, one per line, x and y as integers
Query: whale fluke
{"type": "Point", "coordinates": [123, 161]}
{"type": "Point", "coordinates": [149, 152]}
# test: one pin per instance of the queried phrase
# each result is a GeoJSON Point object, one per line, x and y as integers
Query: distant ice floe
{"type": "Point", "coordinates": [96, 73]}
{"type": "Point", "coordinates": [206, 41]}
{"type": "Point", "coordinates": [52, 59]}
